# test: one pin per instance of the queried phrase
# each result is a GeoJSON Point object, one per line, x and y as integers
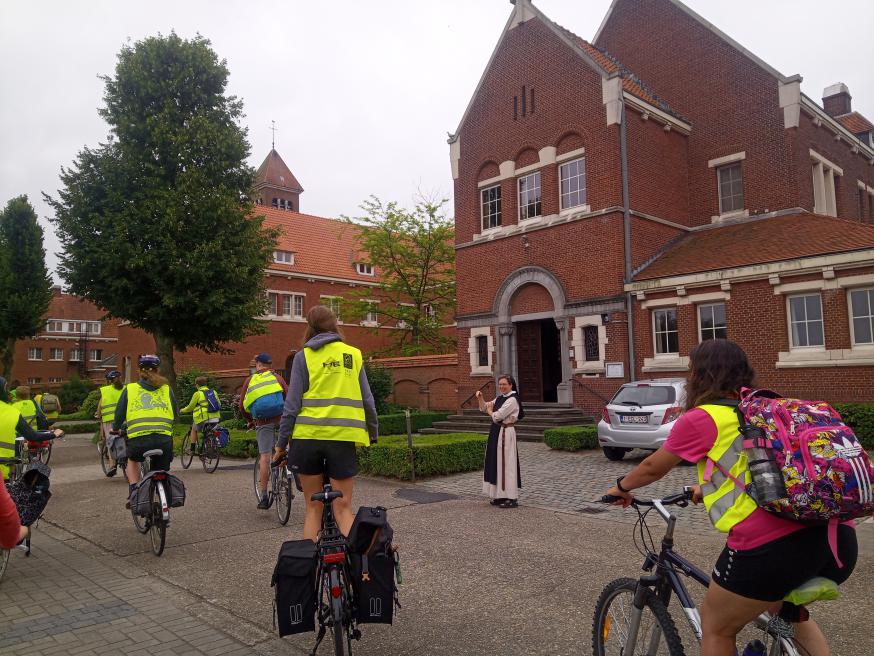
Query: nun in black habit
{"type": "Point", "coordinates": [502, 476]}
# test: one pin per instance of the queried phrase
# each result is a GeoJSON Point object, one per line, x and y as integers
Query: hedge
{"type": "Point", "coordinates": [75, 429]}
{"type": "Point", "coordinates": [75, 416]}
{"type": "Point", "coordinates": [434, 455]}
{"type": "Point", "coordinates": [571, 438]}
{"type": "Point", "coordinates": [396, 424]}
{"type": "Point", "coordinates": [859, 417]}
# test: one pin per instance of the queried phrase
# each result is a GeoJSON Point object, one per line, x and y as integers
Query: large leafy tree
{"type": "Point", "coordinates": [25, 285]}
{"type": "Point", "coordinates": [155, 223]}
{"type": "Point", "coordinates": [414, 256]}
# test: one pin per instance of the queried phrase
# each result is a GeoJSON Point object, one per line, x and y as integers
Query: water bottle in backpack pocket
{"type": "Point", "coordinates": [373, 565]}
{"type": "Point", "coordinates": [294, 579]}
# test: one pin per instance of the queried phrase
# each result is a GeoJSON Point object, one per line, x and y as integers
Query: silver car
{"type": "Point", "coordinates": [640, 416]}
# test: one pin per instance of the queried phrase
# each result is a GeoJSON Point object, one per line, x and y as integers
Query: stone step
{"type": "Point", "coordinates": [478, 425]}
{"type": "Point", "coordinates": [536, 412]}
{"type": "Point", "coordinates": [568, 420]}
{"type": "Point", "coordinates": [522, 436]}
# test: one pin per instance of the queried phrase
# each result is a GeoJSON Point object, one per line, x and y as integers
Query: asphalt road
{"type": "Point", "coordinates": [477, 580]}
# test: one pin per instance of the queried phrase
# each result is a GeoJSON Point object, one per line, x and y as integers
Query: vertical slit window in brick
{"type": "Point", "coordinates": [712, 321]}
{"type": "Point", "coordinates": [573, 183]}
{"type": "Point", "coordinates": [591, 343]}
{"type": "Point", "coordinates": [515, 107]}
{"type": "Point", "coordinates": [482, 351]}
{"type": "Point", "coordinates": [532, 100]}
{"type": "Point", "coordinates": [490, 204]}
{"type": "Point", "coordinates": [805, 318]}
{"type": "Point", "coordinates": [862, 304]}
{"type": "Point", "coordinates": [731, 192]}
{"type": "Point", "coordinates": [529, 196]}
{"type": "Point", "coordinates": [667, 340]}
{"type": "Point", "coordinates": [524, 100]}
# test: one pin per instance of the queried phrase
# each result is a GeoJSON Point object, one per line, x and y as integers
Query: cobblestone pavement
{"type": "Point", "coordinates": [571, 482]}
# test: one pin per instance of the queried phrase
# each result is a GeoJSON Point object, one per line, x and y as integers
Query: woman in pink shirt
{"type": "Point", "coordinates": [765, 557]}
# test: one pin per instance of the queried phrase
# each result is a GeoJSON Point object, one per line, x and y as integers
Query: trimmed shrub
{"type": "Point", "coordinates": [434, 455]}
{"type": "Point", "coordinates": [571, 438]}
{"type": "Point", "coordinates": [89, 405]}
{"type": "Point", "coordinates": [859, 417]}
{"type": "Point", "coordinates": [396, 424]}
{"type": "Point", "coordinates": [233, 423]}
{"type": "Point", "coordinates": [381, 384]}
{"type": "Point", "coordinates": [74, 392]}
{"type": "Point", "coordinates": [75, 416]}
{"type": "Point", "coordinates": [76, 429]}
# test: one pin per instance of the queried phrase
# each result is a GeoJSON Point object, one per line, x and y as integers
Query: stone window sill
{"type": "Point", "coordinates": [666, 363]}
{"type": "Point", "coordinates": [856, 357]}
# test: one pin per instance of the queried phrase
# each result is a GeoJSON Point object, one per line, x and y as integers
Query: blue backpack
{"type": "Point", "coordinates": [212, 401]}
{"type": "Point", "coordinates": [267, 406]}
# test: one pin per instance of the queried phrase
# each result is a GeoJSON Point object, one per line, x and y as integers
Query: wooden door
{"type": "Point", "coordinates": [529, 361]}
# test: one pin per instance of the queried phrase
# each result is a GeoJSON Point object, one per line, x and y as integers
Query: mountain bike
{"type": "Point", "coordinates": [631, 615]}
{"type": "Point", "coordinates": [209, 451]}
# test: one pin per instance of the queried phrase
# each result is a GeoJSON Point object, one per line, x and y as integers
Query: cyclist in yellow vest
{"type": "Point", "coordinates": [29, 409]}
{"type": "Point", "coordinates": [13, 391]}
{"type": "Point", "coordinates": [50, 404]}
{"type": "Point", "coordinates": [262, 385]}
{"type": "Point", "coordinates": [148, 407]}
{"type": "Point", "coordinates": [765, 557]}
{"type": "Point", "coordinates": [109, 396]}
{"type": "Point", "coordinates": [199, 407]}
{"type": "Point", "coordinates": [329, 411]}
{"type": "Point", "coordinates": [12, 423]}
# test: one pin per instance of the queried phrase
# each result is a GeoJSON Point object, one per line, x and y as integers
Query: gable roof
{"type": "Point", "coordinates": [322, 247]}
{"type": "Point", "coordinates": [855, 122]}
{"type": "Point", "coordinates": [273, 172]}
{"type": "Point", "coordinates": [759, 241]}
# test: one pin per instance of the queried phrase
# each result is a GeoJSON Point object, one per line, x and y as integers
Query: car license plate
{"type": "Point", "coordinates": [633, 419]}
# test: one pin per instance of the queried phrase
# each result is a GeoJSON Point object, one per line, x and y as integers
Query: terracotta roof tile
{"type": "Point", "coordinates": [855, 123]}
{"type": "Point", "coordinates": [759, 241]}
{"type": "Point", "coordinates": [275, 173]}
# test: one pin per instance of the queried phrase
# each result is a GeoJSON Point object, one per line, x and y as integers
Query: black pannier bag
{"type": "Point", "coordinates": [372, 566]}
{"type": "Point", "coordinates": [174, 488]}
{"type": "Point", "coordinates": [140, 503]}
{"type": "Point", "coordinates": [294, 578]}
{"type": "Point", "coordinates": [118, 447]}
{"type": "Point", "coordinates": [31, 493]}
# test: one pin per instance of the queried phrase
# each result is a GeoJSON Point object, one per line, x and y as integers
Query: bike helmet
{"type": "Point", "coordinates": [149, 361]}
{"type": "Point", "coordinates": [112, 375]}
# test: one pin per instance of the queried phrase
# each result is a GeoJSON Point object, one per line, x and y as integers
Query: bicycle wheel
{"type": "Point", "coordinates": [283, 494]}
{"type": "Point", "coordinates": [104, 458]}
{"type": "Point", "coordinates": [338, 623]}
{"type": "Point", "coordinates": [187, 454]}
{"type": "Point", "coordinates": [210, 456]}
{"type": "Point", "coordinates": [256, 484]}
{"type": "Point", "coordinates": [141, 523]}
{"type": "Point", "coordinates": [656, 634]}
{"type": "Point", "coordinates": [45, 454]}
{"type": "Point", "coordinates": [4, 561]}
{"type": "Point", "coordinates": [158, 528]}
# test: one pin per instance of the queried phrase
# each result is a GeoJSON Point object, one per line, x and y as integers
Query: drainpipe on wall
{"type": "Point", "coordinates": [626, 226]}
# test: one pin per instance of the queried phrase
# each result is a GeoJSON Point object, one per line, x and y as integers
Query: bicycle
{"type": "Point", "coordinates": [157, 519]}
{"type": "Point", "coordinates": [620, 610]}
{"type": "Point", "coordinates": [210, 451]}
{"type": "Point", "coordinates": [280, 488]}
{"type": "Point", "coordinates": [105, 460]}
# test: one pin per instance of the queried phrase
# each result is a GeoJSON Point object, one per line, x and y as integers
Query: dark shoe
{"type": "Point", "coordinates": [496, 502]}
{"type": "Point", "coordinates": [111, 473]}
{"type": "Point", "coordinates": [510, 503]}
{"type": "Point", "coordinates": [264, 504]}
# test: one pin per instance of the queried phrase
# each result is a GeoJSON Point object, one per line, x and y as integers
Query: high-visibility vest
{"type": "Point", "coordinates": [109, 396]}
{"type": "Point", "coordinates": [332, 407]}
{"type": "Point", "coordinates": [725, 502]}
{"type": "Point", "coordinates": [27, 408]}
{"type": "Point", "coordinates": [261, 384]}
{"type": "Point", "coordinates": [201, 411]}
{"type": "Point", "coordinates": [9, 416]}
{"type": "Point", "coordinates": [148, 411]}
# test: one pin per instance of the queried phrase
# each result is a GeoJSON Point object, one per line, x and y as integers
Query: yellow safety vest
{"type": "Point", "coordinates": [726, 504]}
{"type": "Point", "coordinates": [27, 408]}
{"type": "Point", "coordinates": [109, 396]}
{"type": "Point", "coordinates": [9, 416]}
{"type": "Point", "coordinates": [201, 412]}
{"type": "Point", "coordinates": [332, 407]}
{"type": "Point", "coordinates": [261, 384]}
{"type": "Point", "coordinates": [148, 412]}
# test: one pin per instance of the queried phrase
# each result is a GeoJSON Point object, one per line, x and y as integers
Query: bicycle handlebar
{"type": "Point", "coordinates": [42, 436]}
{"type": "Point", "coordinates": [681, 499]}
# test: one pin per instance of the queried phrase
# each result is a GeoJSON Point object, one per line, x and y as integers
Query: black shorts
{"type": "Point", "coordinates": [137, 446]}
{"type": "Point", "coordinates": [773, 570]}
{"type": "Point", "coordinates": [335, 458]}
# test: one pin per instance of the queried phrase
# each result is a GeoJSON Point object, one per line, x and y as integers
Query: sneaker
{"type": "Point", "coordinates": [264, 504]}
{"type": "Point", "coordinates": [111, 472]}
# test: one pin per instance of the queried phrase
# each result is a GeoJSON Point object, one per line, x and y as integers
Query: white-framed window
{"type": "Point", "coordinates": [333, 302]}
{"type": "Point", "coordinates": [96, 355]}
{"type": "Point", "coordinates": [805, 321]}
{"type": "Point", "coordinates": [530, 205]}
{"type": "Point", "coordinates": [490, 206]}
{"type": "Point", "coordinates": [364, 268]}
{"type": "Point", "coordinates": [591, 344]}
{"type": "Point", "coordinates": [429, 311]}
{"type": "Point", "coordinates": [94, 327]}
{"type": "Point", "coordinates": [34, 381]}
{"type": "Point", "coordinates": [664, 329]}
{"type": "Point", "coordinates": [54, 326]}
{"type": "Point", "coordinates": [731, 191]}
{"type": "Point", "coordinates": [481, 349]}
{"type": "Point", "coordinates": [56, 354]}
{"type": "Point", "coordinates": [824, 174]}
{"type": "Point", "coordinates": [371, 316]}
{"type": "Point", "coordinates": [283, 257]}
{"type": "Point", "coordinates": [572, 181]}
{"type": "Point", "coordinates": [711, 322]}
{"type": "Point", "coordinates": [75, 355]}
{"type": "Point", "coordinates": [274, 304]}
{"type": "Point", "coordinates": [862, 316]}
{"type": "Point", "coordinates": [75, 327]}
{"type": "Point", "coordinates": [55, 379]}
{"type": "Point", "coordinates": [34, 353]}
{"type": "Point", "coordinates": [297, 306]}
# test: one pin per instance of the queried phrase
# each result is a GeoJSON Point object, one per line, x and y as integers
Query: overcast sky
{"type": "Point", "coordinates": [363, 93]}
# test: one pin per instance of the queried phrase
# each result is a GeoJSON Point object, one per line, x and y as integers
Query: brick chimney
{"type": "Point", "coordinates": [836, 99]}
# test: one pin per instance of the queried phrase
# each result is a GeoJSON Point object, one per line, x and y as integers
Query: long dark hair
{"type": "Point", "coordinates": [320, 319]}
{"type": "Point", "coordinates": [512, 382]}
{"type": "Point", "coordinates": [719, 369]}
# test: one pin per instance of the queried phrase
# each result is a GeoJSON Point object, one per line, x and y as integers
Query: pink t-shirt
{"type": "Point", "coordinates": [691, 438]}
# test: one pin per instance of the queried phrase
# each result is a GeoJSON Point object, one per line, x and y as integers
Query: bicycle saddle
{"type": "Point", "coordinates": [815, 589]}
{"type": "Point", "coordinates": [153, 452]}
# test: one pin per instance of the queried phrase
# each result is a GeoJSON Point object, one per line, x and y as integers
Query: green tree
{"type": "Point", "coordinates": [414, 256]}
{"type": "Point", "coordinates": [156, 223]}
{"type": "Point", "coordinates": [25, 285]}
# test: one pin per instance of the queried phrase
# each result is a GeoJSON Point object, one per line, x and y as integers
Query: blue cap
{"type": "Point", "coordinates": [264, 358]}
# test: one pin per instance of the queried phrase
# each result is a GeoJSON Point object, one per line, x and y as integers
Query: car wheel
{"type": "Point", "coordinates": [614, 452]}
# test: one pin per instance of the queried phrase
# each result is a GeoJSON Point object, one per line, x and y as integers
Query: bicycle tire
{"type": "Point", "coordinates": [158, 528]}
{"type": "Point", "coordinates": [141, 523]}
{"type": "Point", "coordinates": [283, 493]}
{"type": "Point", "coordinates": [4, 561]}
{"type": "Point", "coordinates": [45, 454]}
{"type": "Point", "coordinates": [605, 626]}
{"type": "Point", "coordinates": [187, 454]}
{"type": "Point", "coordinates": [210, 456]}
{"type": "Point", "coordinates": [104, 458]}
{"type": "Point", "coordinates": [256, 478]}
{"type": "Point", "coordinates": [338, 624]}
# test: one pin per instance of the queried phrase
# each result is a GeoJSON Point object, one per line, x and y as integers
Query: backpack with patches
{"type": "Point", "coordinates": [50, 403]}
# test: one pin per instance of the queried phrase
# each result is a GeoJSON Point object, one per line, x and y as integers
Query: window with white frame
{"type": "Point", "coordinates": [364, 268]}
{"type": "Point", "coordinates": [530, 205]}
{"type": "Point", "coordinates": [572, 180]}
{"type": "Point", "coordinates": [56, 354]}
{"type": "Point", "coordinates": [333, 302]}
{"type": "Point", "coordinates": [862, 313]}
{"type": "Point", "coordinates": [591, 343]}
{"type": "Point", "coordinates": [54, 326]}
{"type": "Point", "coordinates": [711, 321]}
{"type": "Point", "coordinates": [825, 176]}
{"type": "Point", "coordinates": [731, 191]}
{"type": "Point", "coordinates": [34, 353]}
{"type": "Point", "coordinates": [75, 355]}
{"type": "Point", "coordinates": [93, 327]}
{"type": "Point", "coordinates": [76, 327]}
{"type": "Point", "coordinates": [34, 381]}
{"type": "Point", "coordinates": [297, 306]}
{"type": "Point", "coordinates": [370, 316]}
{"type": "Point", "coordinates": [96, 355]}
{"type": "Point", "coordinates": [667, 337]}
{"type": "Point", "coordinates": [55, 379]}
{"type": "Point", "coordinates": [490, 207]}
{"type": "Point", "coordinates": [482, 350]}
{"type": "Point", "coordinates": [283, 257]}
{"type": "Point", "coordinates": [805, 321]}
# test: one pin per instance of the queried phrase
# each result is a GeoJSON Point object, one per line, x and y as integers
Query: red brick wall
{"type": "Point", "coordinates": [530, 299]}
{"type": "Point", "coordinates": [429, 382]}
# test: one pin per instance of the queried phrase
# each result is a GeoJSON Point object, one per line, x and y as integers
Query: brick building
{"type": "Point", "coordinates": [619, 200]}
